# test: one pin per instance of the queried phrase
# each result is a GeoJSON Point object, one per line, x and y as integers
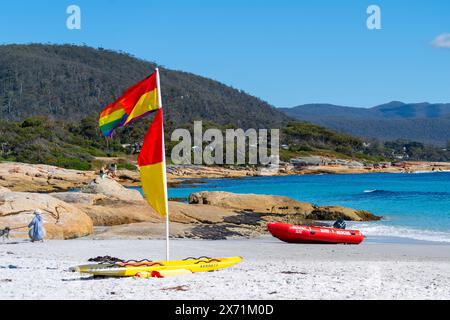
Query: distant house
{"type": "Point", "coordinates": [339, 162]}
{"type": "Point", "coordinates": [133, 148]}
{"type": "Point", "coordinates": [400, 156]}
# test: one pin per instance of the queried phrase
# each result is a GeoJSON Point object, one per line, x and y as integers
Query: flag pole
{"type": "Point", "coordinates": [164, 170]}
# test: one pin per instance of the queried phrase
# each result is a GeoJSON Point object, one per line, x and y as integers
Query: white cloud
{"type": "Point", "coordinates": [442, 41]}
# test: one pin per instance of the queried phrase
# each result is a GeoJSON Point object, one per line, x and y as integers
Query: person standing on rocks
{"type": "Point", "coordinates": [112, 170]}
{"type": "Point", "coordinates": [37, 231]}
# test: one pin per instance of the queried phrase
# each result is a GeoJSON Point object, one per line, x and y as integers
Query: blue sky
{"type": "Point", "coordinates": [285, 52]}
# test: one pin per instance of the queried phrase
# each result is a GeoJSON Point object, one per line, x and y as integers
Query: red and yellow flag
{"type": "Point", "coordinates": [135, 103]}
{"type": "Point", "coordinates": [152, 166]}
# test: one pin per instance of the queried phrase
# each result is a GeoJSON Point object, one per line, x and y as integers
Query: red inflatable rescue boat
{"type": "Point", "coordinates": [311, 234]}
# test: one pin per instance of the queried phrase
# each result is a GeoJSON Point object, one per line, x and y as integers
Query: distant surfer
{"type": "Point", "coordinates": [37, 231]}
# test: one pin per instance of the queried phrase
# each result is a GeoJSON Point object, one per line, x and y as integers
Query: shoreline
{"type": "Point", "coordinates": [190, 221]}
{"type": "Point", "coordinates": [177, 181]}
{"type": "Point", "coordinates": [182, 182]}
{"type": "Point", "coordinates": [41, 178]}
{"type": "Point", "coordinates": [370, 240]}
{"type": "Point", "coordinates": [293, 272]}
{"type": "Point", "coordinates": [392, 240]}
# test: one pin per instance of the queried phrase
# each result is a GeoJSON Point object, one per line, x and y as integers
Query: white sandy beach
{"type": "Point", "coordinates": [270, 270]}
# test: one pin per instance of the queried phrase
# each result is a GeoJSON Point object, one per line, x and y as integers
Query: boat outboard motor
{"type": "Point", "coordinates": [340, 224]}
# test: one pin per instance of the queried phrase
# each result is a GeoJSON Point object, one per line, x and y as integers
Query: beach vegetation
{"type": "Point", "coordinates": [51, 96]}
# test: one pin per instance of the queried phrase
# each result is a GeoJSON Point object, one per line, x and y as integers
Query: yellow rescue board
{"type": "Point", "coordinates": [157, 268]}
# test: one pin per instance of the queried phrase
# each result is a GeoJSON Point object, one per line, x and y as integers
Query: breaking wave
{"type": "Point", "coordinates": [376, 192]}
{"type": "Point", "coordinates": [380, 230]}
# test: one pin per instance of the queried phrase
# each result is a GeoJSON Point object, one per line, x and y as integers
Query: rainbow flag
{"type": "Point", "coordinates": [152, 166]}
{"type": "Point", "coordinates": [135, 103]}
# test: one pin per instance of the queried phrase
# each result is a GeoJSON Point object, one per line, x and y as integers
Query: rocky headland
{"type": "Point", "coordinates": [105, 209]}
{"type": "Point", "coordinates": [44, 178]}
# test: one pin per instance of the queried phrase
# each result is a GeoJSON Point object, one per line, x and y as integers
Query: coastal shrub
{"type": "Point", "coordinates": [303, 136]}
{"type": "Point", "coordinates": [73, 163]}
{"type": "Point", "coordinates": [127, 166]}
{"type": "Point", "coordinates": [69, 85]}
{"type": "Point", "coordinates": [68, 82]}
{"type": "Point", "coordinates": [32, 122]}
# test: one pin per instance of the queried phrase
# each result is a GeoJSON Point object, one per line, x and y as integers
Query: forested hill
{"type": "Point", "coordinates": [68, 82]}
{"type": "Point", "coordinates": [424, 122]}
{"type": "Point", "coordinates": [51, 95]}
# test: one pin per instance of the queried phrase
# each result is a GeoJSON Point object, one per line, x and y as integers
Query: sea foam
{"type": "Point", "coordinates": [380, 230]}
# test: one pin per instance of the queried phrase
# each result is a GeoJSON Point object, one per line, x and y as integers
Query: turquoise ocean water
{"type": "Point", "coordinates": [415, 206]}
